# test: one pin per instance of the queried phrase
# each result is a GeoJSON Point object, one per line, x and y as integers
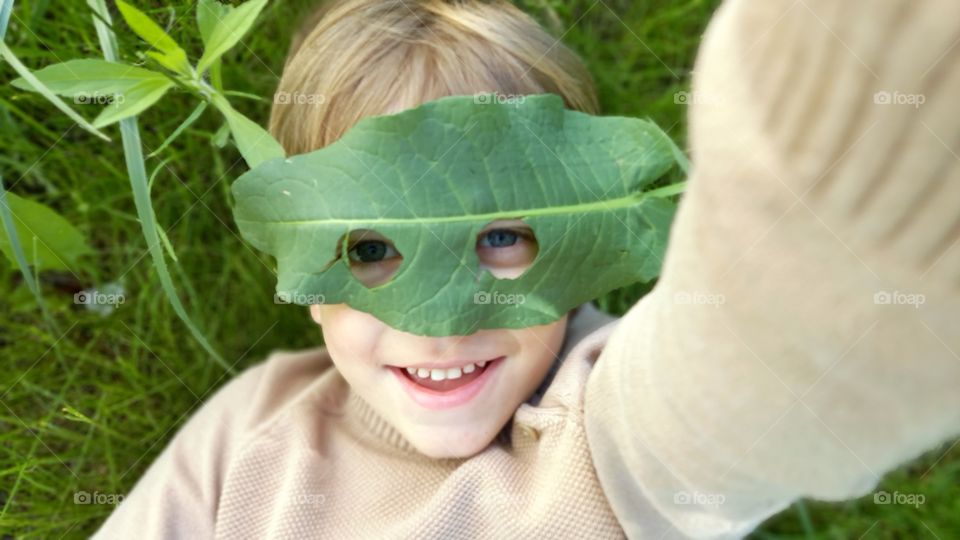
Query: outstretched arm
{"type": "Point", "coordinates": [804, 337]}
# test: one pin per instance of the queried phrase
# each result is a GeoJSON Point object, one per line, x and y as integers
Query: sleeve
{"type": "Point", "coordinates": [178, 495]}
{"type": "Point", "coordinates": [803, 339]}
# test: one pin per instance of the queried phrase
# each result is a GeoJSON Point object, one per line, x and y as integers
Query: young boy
{"type": "Point", "coordinates": [777, 357]}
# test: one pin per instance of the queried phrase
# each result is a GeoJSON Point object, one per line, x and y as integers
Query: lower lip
{"type": "Point", "coordinates": [431, 399]}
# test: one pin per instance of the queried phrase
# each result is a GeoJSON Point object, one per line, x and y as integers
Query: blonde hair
{"type": "Point", "coordinates": [358, 58]}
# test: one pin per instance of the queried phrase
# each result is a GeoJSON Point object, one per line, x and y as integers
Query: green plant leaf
{"type": "Point", "coordinates": [256, 145]}
{"type": "Point", "coordinates": [6, 7]}
{"type": "Point", "coordinates": [133, 101]}
{"type": "Point", "coordinates": [49, 241]}
{"type": "Point", "coordinates": [38, 86]}
{"type": "Point", "coordinates": [227, 31]}
{"type": "Point", "coordinates": [209, 15]}
{"type": "Point", "coordinates": [682, 160]}
{"type": "Point", "coordinates": [170, 55]}
{"type": "Point", "coordinates": [221, 136]}
{"type": "Point", "coordinates": [105, 35]}
{"type": "Point", "coordinates": [14, 250]}
{"type": "Point", "coordinates": [89, 77]}
{"type": "Point", "coordinates": [431, 178]}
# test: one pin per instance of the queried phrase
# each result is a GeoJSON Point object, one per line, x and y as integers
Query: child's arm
{"type": "Point", "coordinates": [787, 350]}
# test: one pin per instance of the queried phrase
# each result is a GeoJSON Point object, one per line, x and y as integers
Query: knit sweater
{"type": "Point", "coordinates": [802, 341]}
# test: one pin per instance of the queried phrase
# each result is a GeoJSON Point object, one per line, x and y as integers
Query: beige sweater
{"type": "Point", "coordinates": [803, 340]}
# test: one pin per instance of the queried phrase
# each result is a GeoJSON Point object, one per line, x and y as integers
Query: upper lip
{"type": "Point", "coordinates": [447, 364]}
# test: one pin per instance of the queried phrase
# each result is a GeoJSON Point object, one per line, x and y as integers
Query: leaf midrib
{"type": "Point", "coordinates": [580, 208]}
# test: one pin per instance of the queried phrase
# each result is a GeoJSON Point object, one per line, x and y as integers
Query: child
{"type": "Point", "coordinates": [800, 342]}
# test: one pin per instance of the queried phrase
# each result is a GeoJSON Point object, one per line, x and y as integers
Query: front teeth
{"type": "Point", "coordinates": [442, 374]}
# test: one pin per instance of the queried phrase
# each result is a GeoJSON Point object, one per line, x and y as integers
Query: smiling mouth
{"type": "Point", "coordinates": [444, 380]}
{"type": "Point", "coordinates": [444, 388]}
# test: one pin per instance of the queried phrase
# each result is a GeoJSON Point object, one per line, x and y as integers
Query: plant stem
{"type": "Point", "coordinates": [133, 154]}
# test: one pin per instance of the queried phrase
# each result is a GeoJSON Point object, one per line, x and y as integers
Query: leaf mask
{"type": "Point", "coordinates": [431, 178]}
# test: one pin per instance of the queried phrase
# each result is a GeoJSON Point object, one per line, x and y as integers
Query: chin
{"type": "Point", "coordinates": [460, 445]}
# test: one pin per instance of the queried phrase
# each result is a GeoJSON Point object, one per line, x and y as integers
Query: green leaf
{"type": "Point", "coordinates": [170, 55]}
{"type": "Point", "coordinates": [16, 253]}
{"type": "Point", "coordinates": [6, 7]}
{"type": "Point", "coordinates": [227, 31]}
{"type": "Point", "coordinates": [89, 77]}
{"type": "Point", "coordinates": [256, 145]}
{"type": "Point", "coordinates": [165, 61]}
{"type": "Point", "coordinates": [50, 242]}
{"type": "Point", "coordinates": [209, 15]}
{"type": "Point", "coordinates": [134, 101]}
{"type": "Point", "coordinates": [39, 87]}
{"type": "Point", "coordinates": [431, 178]}
{"type": "Point", "coordinates": [221, 136]}
{"type": "Point", "coordinates": [102, 23]}
{"type": "Point", "coordinates": [682, 161]}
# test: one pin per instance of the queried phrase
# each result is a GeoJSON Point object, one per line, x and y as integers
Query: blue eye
{"type": "Point", "coordinates": [499, 238]}
{"type": "Point", "coordinates": [371, 251]}
{"type": "Point", "coordinates": [507, 251]}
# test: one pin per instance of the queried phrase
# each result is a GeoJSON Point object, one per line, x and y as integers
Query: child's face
{"type": "Point", "coordinates": [460, 415]}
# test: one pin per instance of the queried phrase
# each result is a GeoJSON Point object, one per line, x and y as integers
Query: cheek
{"type": "Point", "coordinates": [542, 343]}
{"type": "Point", "coordinates": [350, 335]}
{"type": "Point", "coordinates": [550, 336]}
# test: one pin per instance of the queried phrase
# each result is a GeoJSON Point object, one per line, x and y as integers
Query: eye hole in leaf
{"type": "Point", "coordinates": [372, 257]}
{"type": "Point", "coordinates": [507, 248]}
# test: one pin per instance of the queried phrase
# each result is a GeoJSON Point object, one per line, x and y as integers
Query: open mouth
{"type": "Point", "coordinates": [444, 388]}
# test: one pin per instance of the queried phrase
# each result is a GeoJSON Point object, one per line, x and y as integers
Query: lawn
{"type": "Point", "coordinates": [88, 400]}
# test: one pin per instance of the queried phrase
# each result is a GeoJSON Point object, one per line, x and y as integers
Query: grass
{"type": "Point", "coordinates": [87, 402]}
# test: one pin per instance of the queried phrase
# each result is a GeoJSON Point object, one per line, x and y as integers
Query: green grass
{"type": "Point", "coordinates": [89, 407]}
